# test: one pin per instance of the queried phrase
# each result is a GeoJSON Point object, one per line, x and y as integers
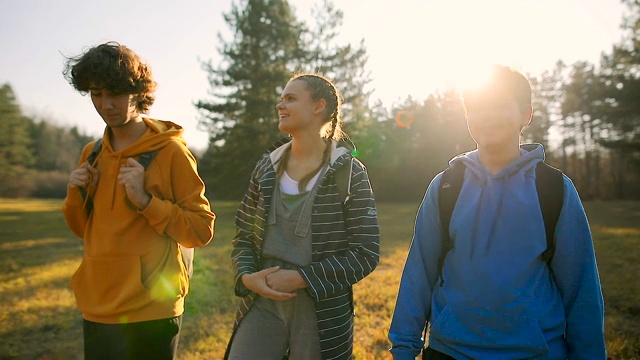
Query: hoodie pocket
{"type": "Point", "coordinates": [478, 331]}
{"type": "Point", "coordinates": [105, 286]}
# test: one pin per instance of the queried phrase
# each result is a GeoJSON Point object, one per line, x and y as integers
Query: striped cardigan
{"type": "Point", "coordinates": [345, 245]}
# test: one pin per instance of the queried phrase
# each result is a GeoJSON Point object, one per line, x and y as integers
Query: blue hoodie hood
{"type": "Point", "coordinates": [530, 155]}
{"type": "Point", "coordinates": [488, 191]}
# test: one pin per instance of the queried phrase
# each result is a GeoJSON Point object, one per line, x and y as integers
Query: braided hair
{"type": "Point", "coordinates": [319, 87]}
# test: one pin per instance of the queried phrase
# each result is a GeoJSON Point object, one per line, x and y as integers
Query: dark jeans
{"type": "Point", "coordinates": [156, 339]}
{"type": "Point", "coordinates": [430, 354]}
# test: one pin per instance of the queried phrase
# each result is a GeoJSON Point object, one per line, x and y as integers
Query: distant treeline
{"type": "Point", "coordinates": [586, 115]}
{"type": "Point", "coordinates": [36, 156]}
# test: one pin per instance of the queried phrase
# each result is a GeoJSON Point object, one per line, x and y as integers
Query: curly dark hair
{"type": "Point", "coordinates": [112, 67]}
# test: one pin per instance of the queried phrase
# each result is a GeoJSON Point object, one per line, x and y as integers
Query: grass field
{"type": "Point", "coordinates": [38, 319]}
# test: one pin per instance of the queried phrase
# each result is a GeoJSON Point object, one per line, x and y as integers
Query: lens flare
{"type": "Point", "coordinates": [165, 289]}
{"type": "Point", "coordinates": [404, 118]}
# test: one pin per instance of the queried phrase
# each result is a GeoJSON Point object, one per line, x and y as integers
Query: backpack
{"type": "Point", "coordinates": [550, 189]}
{"type": "Point", "coordinates": [144, 160]}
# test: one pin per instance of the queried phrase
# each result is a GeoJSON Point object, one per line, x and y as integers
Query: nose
{"type": "Point", "coordinates": [108, 102]}
{"type": "Point", "coordinates": [280, 105]}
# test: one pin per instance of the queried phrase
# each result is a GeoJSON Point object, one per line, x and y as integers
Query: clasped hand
{"type": "Point", "coordinates": [274, 283]}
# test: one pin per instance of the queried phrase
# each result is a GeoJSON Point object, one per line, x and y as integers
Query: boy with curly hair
{"type": "Point", "coordinates": [135, 220]}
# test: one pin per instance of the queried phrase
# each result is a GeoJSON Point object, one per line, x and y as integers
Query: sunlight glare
{"type": "Point", "coordinates": [472, 77]}
{"type": "Point", "coordinates": [458, 40]}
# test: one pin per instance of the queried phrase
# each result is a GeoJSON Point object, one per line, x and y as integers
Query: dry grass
{"type": "Point", "coordinates": [38, 254]}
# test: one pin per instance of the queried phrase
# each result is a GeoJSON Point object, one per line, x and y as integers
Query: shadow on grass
{"type": "Point", "coordinates": [34, 244]}
{"type": "Point", "coordinates": [32, 224]}
{"type": "Point", "coordinates": [55, 333]}
{"type": "Point", "coordinates": [32, 237]}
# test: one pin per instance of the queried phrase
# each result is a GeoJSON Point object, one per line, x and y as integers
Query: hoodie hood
{"type": "Point", "coordinates": [338, 149]}
{"type": "Point", "coordinates": [508, 198]}
{"type": "Point", "coordinates": [530, 156]}
{"type": "Point", "coordinates": [159, 133]}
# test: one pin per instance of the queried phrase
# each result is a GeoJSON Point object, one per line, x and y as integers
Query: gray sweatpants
{"type": "Point", "coordinates": [272, 327]}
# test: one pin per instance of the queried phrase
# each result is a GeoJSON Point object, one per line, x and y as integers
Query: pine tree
{"type": "Point", "coordinates": [16, 155]}
{"type": "Point", "coordinates": [269, 44]}
{"type": "Point", "coordinates": [15, 142]}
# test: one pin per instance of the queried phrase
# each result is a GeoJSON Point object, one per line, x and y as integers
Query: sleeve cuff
{"type": "Point", "coordinates": [240, 289]}
{"type": "Point", "coordinates": [402, 355]}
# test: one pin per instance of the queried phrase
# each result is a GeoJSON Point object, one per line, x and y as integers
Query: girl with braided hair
{"type": "Point", "coordinates": [307, 230]}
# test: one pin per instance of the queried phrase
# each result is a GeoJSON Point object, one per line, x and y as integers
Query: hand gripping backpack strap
{"type": "Point", "coordinates": [145, 160]}
{"type": "Point", "coordinates": [450, 186]}
{"type": "Point", "coordinates": [91, 159]}
{"type": "Point", "coordinates": [550, 187]}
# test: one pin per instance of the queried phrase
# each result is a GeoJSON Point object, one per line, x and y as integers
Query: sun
{"type": "Point", "coordinates": [472, 76]}
{"type": "Point", "coordinates": [451, 45]}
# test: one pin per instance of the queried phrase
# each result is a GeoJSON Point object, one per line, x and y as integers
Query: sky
{"type": "Point", "coordinates": [414, 46]}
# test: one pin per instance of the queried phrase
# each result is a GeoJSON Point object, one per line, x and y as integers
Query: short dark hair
{"type": "Point", "coordinates": [112, 67]}
{"type": "Point", "coordinates": [502, 81]}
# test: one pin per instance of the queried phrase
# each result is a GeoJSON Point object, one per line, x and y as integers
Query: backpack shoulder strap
{"type": "Point", "coordinates": [550, 187]}
{"type": "Point", "coordinates": [91, 159]}
{"type": "Point", "coordinates": [94, 152]}
{"type": "Point", "coordinates": [450, 185]}
{"type": "Point", "coordinates": [146, 158]}
{"type": "Point", "coordinates": [343, 180]}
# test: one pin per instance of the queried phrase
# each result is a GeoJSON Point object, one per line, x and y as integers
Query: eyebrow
{"type": "Point", "coordinates": [287, 94]}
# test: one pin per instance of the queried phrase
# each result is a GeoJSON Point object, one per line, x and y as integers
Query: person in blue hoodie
{"type": "Point", "coordinates": [497, 298]}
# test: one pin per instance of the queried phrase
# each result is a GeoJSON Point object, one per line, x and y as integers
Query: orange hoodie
{"type": "Point", "coordinates": [132, 269]}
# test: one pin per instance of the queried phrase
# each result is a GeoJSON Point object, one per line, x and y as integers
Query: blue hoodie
{"type": "Point", "coordinates": [499, 299]}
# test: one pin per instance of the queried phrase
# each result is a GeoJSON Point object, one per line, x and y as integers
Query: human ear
{"type": "Point", "coordinates": [527, 117]}
{"type": "Point", "coordinates": [319, 106]}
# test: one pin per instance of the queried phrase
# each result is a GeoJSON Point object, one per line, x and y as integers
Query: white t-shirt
{"type": "Point", "coordinates": [290, 186]}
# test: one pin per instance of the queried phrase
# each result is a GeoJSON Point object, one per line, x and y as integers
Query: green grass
{"type": "Point", "coordinates": [38, 318]}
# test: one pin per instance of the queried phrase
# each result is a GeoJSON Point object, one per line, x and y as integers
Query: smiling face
{"type": "Point", "coordinates": [117, 110]}
{"type": "Point", "coordinates": [298, 112]}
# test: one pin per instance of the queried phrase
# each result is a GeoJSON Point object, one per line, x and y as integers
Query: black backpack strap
{"type": "Point", "coordinates": [450, 185]}
{"type": "Point", "coordinates": [146, 158]}
{"type": "Point", "coordinates": [550, 187]}
{"type": "Point", "coordinates": [91, 159]}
